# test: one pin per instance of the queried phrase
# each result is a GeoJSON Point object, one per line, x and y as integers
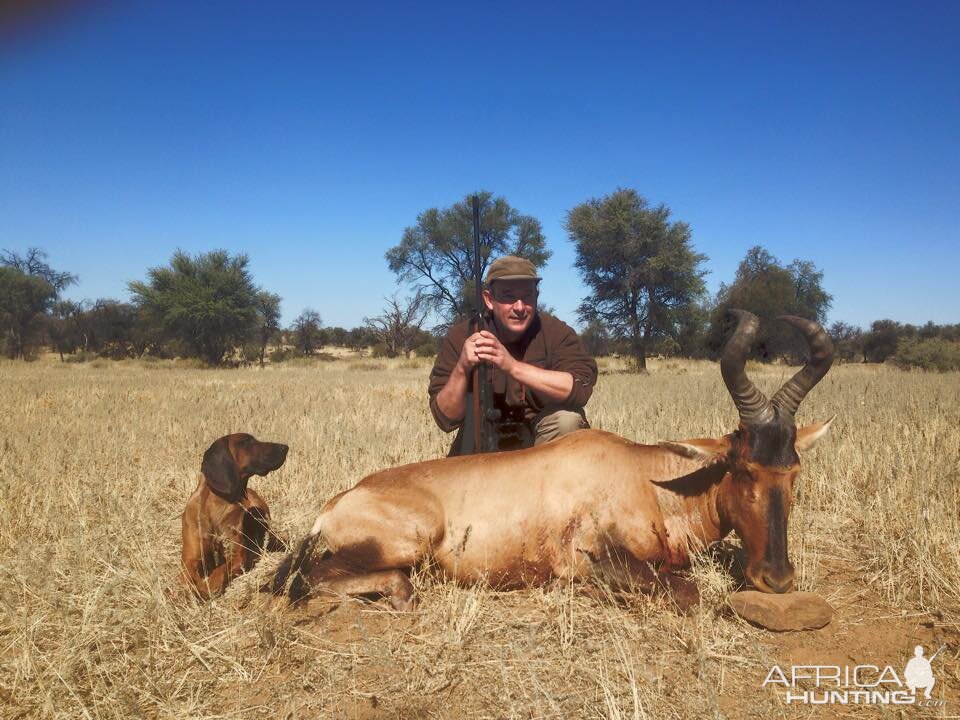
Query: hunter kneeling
{"type": "Point", "coordinates": [540, 377]}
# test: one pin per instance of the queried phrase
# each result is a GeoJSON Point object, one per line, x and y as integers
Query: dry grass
{"type": "Point", "coordinates": [98, 460]}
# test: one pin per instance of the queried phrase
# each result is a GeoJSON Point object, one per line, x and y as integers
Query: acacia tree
{"type": "Point", "coordinates": [208, 303]}
{"type": "Point", "coordinates": [880, 343]}
{"type": "Point", "coordinates": [268, 320]}
{"type": "Point", "coordinates": [34, 263]}
{"type": "Point", "coordinates": [28, 289]}
{"type": "Point", "coordinates": [435, 256]}
{"type": "Point", "coordinates": [65, 326]}
{"type": "Point", "coordinates": [115, 329]}
{"type": "Point", "coordinates": [595, 339]}
{"type": "Point", "coordinates": [399, 325]}
{"type": "Point", "coordinates": [641, 268]}
{"type": "Point", "coordinates": [23, 301]}
{"type": "Point", "coordinates": [847, 341]}
{"type": "Point", "coordinates": [306, 331]}
{"type": "Point", "coordinates": [768, 289]}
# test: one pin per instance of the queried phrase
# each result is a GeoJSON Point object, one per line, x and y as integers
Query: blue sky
{"type": "Point", "coordinates": [309, 135]}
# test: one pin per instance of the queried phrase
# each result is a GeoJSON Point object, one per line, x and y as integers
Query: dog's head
{"type": "Point", "coordinates": [231, 460]}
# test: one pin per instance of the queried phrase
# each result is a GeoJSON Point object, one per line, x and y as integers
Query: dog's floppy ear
{"type": "Point", "coordinates": [220, 471]}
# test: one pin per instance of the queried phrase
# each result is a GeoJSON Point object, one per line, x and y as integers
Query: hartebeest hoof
{"type": "Point", "coordinates": [401, 604]}
{"type": "Point", "coordinates": [394, 585]}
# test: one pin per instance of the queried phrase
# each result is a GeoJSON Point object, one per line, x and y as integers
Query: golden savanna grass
{"type": "Point", "coordinates": [99, 459]}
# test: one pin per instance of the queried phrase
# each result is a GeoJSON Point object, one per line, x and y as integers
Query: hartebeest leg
{"type": "Point", "coordinates": [347, 573]}
{"type": "Point", "coordinates": [373, 541]}
{"type": "Point", "coordinates": [623, 571]}
{"type": "Point", "coordinates": [353, 571]}
{"type": "Point", "coordinates": [394, 585]}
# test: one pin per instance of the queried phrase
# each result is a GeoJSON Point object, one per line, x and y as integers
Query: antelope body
{"type": "Point", "coordinates": [589, 503]}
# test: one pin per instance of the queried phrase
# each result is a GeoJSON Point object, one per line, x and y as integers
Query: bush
{"type": "Point", "coordinates": [80, 357]}
{"type": "Point", "coordinates": [365, 366]}
{"type": "Point", "coordinates": [932, 354]}
{"type": "Point", "coordinates": [282, 355]}
{"type": "Point", "coordinates": [379, 351]}
{"type": "Point", "coordinates": [667, 347]}
{"type": "Point", "coordinates": [250, 352]}
{"type": "Point", "coordinates": [428, 349]}
{"type": "Point", "coordinates": [596, 340]}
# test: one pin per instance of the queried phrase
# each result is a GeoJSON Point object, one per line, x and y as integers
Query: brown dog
{"type": "Point", "coordinates": [226, 524]}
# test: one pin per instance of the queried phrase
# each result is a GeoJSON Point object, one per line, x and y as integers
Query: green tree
{"type": "Point", "coordinates": [595, 339]}
{"type": "Point", "coordinates": [336, 336]}
{"type": "Point", "coordinates": [812, 301]}
{"type": "Point", "coordinates": [307, 335]}
{"type": "Point", "coordinates": [768, 289]}
{"type": "Point", "coordinates": [692, 329]}
{"type": "Point", "coordinates": [65, 326]}
{"type": "Point", "coordinates": [359, 338]}
{"type": "Point", "coordinates": [883, 338]}
{"type": "Point", "coordinates": [34, 263]}
{"type": "Point", "coordinates": [268, 320]}
{"type": "Point", "coordinates": [641, 268]}
{"type": "Point", "coordinates": [23, 301]}
{"type": "Point", "coordinates": [207, 303]}
{"type": "Point", "coordinates": [435, 256]}
{"type": "Point", "coordinates": [120, 330]}
{"type": "Point", "coordinates": [27, 293]}
{"type": "Point", "coordinates": [847, 341]}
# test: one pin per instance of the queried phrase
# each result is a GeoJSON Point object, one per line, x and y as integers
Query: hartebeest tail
{"type": "Point", "coordinates": [590, 503]}
{"type": "Point", "coordinates": [291, 567]}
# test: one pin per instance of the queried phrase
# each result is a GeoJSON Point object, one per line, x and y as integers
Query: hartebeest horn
{"type": "Point", "coordinates": [789, 397]}
{"type": "Point", "coordinates": [753, 406]}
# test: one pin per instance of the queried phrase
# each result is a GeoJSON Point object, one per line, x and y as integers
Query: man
{"type": "Point", "coordinates": [540, 373]}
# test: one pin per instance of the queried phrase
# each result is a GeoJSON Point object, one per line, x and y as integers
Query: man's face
{"type": "Point", "coordinates": [513, 304]}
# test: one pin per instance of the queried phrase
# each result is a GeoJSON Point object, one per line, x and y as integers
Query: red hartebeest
{"type": "Point", "coordinates": [589, 503]}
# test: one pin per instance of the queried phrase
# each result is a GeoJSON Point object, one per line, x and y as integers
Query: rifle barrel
{"type": "Point", "coordinates": [478, 296]}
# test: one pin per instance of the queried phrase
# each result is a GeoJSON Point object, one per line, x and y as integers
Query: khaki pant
{"type": "Point", "coordinates": [546, 428]}
{"type": "Point", "coordinates": [558, 423]}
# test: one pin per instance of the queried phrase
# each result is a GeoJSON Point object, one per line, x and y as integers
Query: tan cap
{"type": "Point", "coordinates": [511, 267]}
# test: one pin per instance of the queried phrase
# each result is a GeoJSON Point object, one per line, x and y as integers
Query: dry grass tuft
{"type": "Point", "coordinates": [98, 461]}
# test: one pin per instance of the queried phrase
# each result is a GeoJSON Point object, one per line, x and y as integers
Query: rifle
{"type": "Point", "coordinates": [479, 431]}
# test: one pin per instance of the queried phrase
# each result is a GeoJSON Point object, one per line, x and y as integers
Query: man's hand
{"type": "Point", "coordinates": [484, 346]}
{"type": "Point", "coordinates": [490, 350]}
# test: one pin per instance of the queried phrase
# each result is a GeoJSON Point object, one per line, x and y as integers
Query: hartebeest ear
{"type": "Point", "coordinates": [220, 470]}
{"type": "Point", "coordinates": [809, 435]}
{"type": "Point", "coordinates": [698, 449]}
